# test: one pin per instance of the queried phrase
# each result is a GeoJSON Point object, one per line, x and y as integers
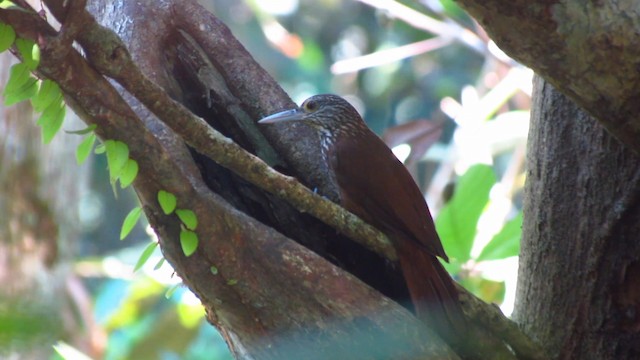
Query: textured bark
{"type": "Point", "coordinates": [578, 289]}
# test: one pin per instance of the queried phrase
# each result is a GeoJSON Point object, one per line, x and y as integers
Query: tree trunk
{"type": "Point", "coordinates": [579, 263]}
{"type": "Point", "coordinates": [578, 288]}
{"type": "Point", "coordinates": [40, 189]}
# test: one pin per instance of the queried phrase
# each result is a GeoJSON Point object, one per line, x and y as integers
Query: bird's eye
{"type": "Point", "coordinates": [310, 105]}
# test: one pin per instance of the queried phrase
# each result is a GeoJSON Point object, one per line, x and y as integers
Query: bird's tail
{"type": "Point", "coordinates": [433, 292]}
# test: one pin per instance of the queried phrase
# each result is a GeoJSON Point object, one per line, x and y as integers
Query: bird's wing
{"type": "Point", "coordinates": [376, 186]}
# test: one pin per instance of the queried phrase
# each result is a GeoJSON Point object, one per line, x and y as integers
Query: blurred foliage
{"type": "Point", "coordinates": [395, 72]}
{"type": "Point", "coordinates": [25, 322]}
{"type": "Point", "coordinates": [458, 219]}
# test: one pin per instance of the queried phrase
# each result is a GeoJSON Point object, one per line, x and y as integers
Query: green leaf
{"type": "Point", "coordinates": [167, 201]}
{"type": "Point", "coordinates": [9, 5]}
{"type": "Point", "coordinates": [171, 290]}
{"type": "Point", "coordinates": [51, 120]}
{"type": "Point", "coordinates": [129, 173]}
{"type": "Point", "coordinates": [48, 92]}
{"type": "Point", "coordinates": [86, 130]}
{"type": "Point", "coordinates": [49, 113]}
{"type": "Point", "coordinates": [7, 37]}
{"type": "Point", "coordinates": [188, 241]}
{"type": "Point", "coordinates": [146, 254]}
{"type": "Point", "coordinates": [458, 219]}
{"type": "Point", "coordinates": [505, 243]}
{"type": "Point", "coordinates": [488, 290]}
{"type": "Point", "coordinates": [117, 156]}
{"type": "Point", "coordinates": [26, 91]}
{"type": "Point", "coordinates": [188, 218]}
{"type": "Point", "coordinates": [214, 270]}
{"type": "Point", "coordinates": [100, 149]}
{"type": "Point", "coordinates": [232, 282]}
{"type": "Point", "coordinates": [84, 149]}
{"type": "Point", "coordinates": [30, 56]}
{"type": "Point", "coordinates": [35, 54]}
{"type": "Point", "coordinates": [19, 74]}
{"type": "Point", "coordinates": [130, 221]}
{"type": "Point", "coordinates": [159, 264]}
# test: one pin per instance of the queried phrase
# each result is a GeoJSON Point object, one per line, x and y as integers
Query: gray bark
{"type": "Point", "coordinates": [40, 188]}
{"type": "Point", "coordinates": [579, 263]}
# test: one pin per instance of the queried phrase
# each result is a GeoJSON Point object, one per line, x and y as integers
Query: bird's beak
{"type": "Point", "coordinates": [287, 115]}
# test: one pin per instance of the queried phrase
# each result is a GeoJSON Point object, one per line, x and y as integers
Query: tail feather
{"type": "Point", "coordinates": [432, 291]}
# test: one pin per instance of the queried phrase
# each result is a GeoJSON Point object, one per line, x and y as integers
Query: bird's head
{"type": "Point", "coordinates": [331, 114]}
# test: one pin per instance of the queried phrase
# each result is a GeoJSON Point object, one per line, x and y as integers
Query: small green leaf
{"type": "Point", "coordinates": [49, 113]}
{"type": "Point", "coordinates": [188, 218]}
{"type": "Point", "coordinates": [129, 173]}
{"type": "Point", "coordinates": [9, 5]}
{"type": "Point", "coordinates": [84, 149]}
{"type": "Point", "coordinates": [26, 49]}
{"type": "Point", "coordinates": [188, 241]}
{"type": "Point", "coordinates": [51, 120]}
{"type": "Point", "coordinates": [100, 149]}
{"type": "Point", "coordinates": [7, 37]}
{"type": "Point", "coordinates": [86, 130]}
{"type": "Point", "coordinates": [167, 201]}
{"type": "Point", "coordinates": [35, 54]}
{"type": "Point", "coordinates": [48, 92]}
{"type": "Point", "coordinates": [505, 243]}
{"type": "Point", "coordinates": [146, 254]}
{"type": "Point", "coordinates": [159, 264]}
{"type": "Point", "coordinates": [214, 270]}
{"type": "Point", "coordinates": [130, 221]}
{"type": "Point", "coordinates": [26, 91]}
{"type": "Point", "coordinates": [18, 76]}
{"type": "Point", "coordinates": [117, 156]}
{"type": "Point", "coordinates": [232, 282]}
{"type": "Point", "coordinates": [171, 290]}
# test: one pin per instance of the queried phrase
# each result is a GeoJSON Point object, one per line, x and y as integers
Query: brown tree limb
{"type": "Point", "coordinates": [581, 48]}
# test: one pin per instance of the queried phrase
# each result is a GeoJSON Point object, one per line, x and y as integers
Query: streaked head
{"type": "Point", "coordinates": [327, 112]}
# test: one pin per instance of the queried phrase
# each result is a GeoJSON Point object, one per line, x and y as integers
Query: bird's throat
{"type": "Point", "coordinates": [327, 139]}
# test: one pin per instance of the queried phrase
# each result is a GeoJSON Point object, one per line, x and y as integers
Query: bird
{"type": "Point", "coordinates": [374, 185]}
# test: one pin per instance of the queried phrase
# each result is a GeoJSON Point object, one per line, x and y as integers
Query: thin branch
{"type": "Point", "coordinates": [490, 316]}
{"type": "Point", "coordinates": [424, 22]}
{"type": "Point", "coordinates": [387, 56]}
